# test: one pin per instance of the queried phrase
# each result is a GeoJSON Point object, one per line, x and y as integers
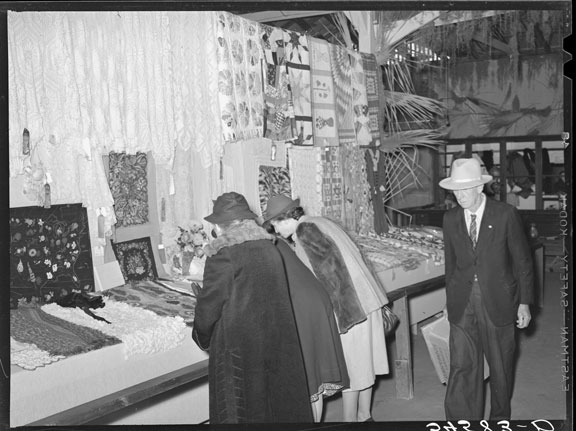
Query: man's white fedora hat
{"type": "Point", "coordinates": [465, 174]}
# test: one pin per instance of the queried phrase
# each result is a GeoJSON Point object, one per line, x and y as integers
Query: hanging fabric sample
{"type": "Point", "coordinates": [279, 121]}
{"type": "Point", "coordinates": [375, 170]}
{"type": "Point", "coordinates": [129, 186]}
{"type": "Point", "coordinates": [304, 164]}
{"type": "Point", "coordinates": [244, 161]}
{"type": "Point", "coordinates": [239, 75]}
{"type": "Point", "coordinates": [342, 75]}
{"type": "Point", "coordinates": [273, 180]}
{"type": "Point", "coordinates": [370, 66]}
{"type": "Point", "coordinates": [298, 65]}
{"type": "Point", "coordinates": [358, 210]}
{"type": "Point", "coordinates": [323, 103]}
{"type": "Point", "coordinates": [360, 101]}
{"type": "Point", "coordinates": [331, 168]}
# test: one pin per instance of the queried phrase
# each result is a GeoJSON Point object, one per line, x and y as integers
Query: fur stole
{"type": "Point", "coordinates": [330, 268]}
{"type": "Point", "coordinates": [246, 230]}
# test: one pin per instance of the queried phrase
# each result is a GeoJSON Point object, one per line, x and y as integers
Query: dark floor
{"type": "Point", "coordinates": [538, 392]}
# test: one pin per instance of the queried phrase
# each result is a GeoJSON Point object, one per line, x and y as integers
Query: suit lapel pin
{"type": "Point", "coordinates": [489, 226]}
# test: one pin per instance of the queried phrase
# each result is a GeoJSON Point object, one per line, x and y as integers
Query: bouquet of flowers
{"type": "Point", "coordinates": [192, 239]}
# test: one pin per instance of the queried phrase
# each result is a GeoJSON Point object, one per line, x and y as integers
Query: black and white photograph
{"type": "Point", "coordinates": [286, 215]}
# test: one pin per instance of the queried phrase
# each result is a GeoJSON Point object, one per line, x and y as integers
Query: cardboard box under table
{"type": "Point", "coordinates": [436, 335]}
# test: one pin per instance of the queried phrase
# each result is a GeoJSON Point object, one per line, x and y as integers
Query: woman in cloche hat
{"type": "Point", "coordinates": [244, 319]}
{"type": "Point", "coordinates": [357, 297]}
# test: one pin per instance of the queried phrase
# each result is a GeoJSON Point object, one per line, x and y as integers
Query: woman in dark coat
{"type": "Point", "coordinates": [318, 331]}
{"type": "Point", "coordinates": [244, 319]}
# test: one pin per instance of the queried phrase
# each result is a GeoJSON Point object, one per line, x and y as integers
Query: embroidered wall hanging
{"type": "Point", "coordinates": [332, 196]}
{"type": "Point", "coordinates": [239, 77]}
{"type": "Point", "coordinates": [128, 182]}
{"type": "Point", "coordinates": [279, 121]}
{"type": "Point", "coordinates": [371, 80]}
{"type": "Point", "coordinates": [136, 259]}
{"type": "Point", "coordinates": [50, 254]}
{"type": "Point", "coordinates": [298, 66]}
{"type": "Point", "coordinates": [323, 107]}
{"type": "Point", "coordinates": [273, 180]}
{"type": "Point", "coordinates": [342, 75]}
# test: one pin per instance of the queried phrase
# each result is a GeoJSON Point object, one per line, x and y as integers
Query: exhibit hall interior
{"type": "Point", "coordinates": [125, 127]}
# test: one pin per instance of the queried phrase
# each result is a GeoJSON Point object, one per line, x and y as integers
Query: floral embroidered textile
{"type": "Point", "coordinates": [50, 254]}
{"type": "Point", "coordinates": [239, 77]}
{"type": "Point", "coordinates": [129, 186]}
{"type": "Point", "coordinates": [273, 180]}
{"type": "Point", "coordinates": [136, 259]}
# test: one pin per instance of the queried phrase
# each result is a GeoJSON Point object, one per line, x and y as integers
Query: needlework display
{"type": "Point", "coordinates": [358, 211]}
{"type": "Point", "coordinates": [279, 120]}
{"type": "Point", "coordinates": [331, 165]}
{"type": "Point", "coordinates": [342, 75]}
{"type": "Point", "coordinates": [57, 336]}
{"type": "Point", "coordinates": [273, 180]}
{"type": "Point", "coordinates": [136, 259]}
{"type": "Point", "coordinates": [323, 103]}
{"type": "Point", "coordinates": [128, 182]}
{"type": "Point", "coordinates": [370, 66]}
{"type": "Point", "coordinates": [154, 297]}
{"type": "Point", "coordinates": [360, 101]}
{"type": "Point", "coordinates": [305, 177]}
{"type": "Point", "coordinates": [239, 77]}
{"type": "Point", "coordinates": [50, 254]}
{"type": "Point", "coordinates": [141, 331]}
{"type": "Point", "coordinates": [298, 66]}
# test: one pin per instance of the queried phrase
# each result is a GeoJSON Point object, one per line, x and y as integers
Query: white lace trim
{"type": "Point", "coordinates": [29, 356]}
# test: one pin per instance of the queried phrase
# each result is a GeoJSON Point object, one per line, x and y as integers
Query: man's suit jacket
{"type": "Point", "coordinates": [502, 261]}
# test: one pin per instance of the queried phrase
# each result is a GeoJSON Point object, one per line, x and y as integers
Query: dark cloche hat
{"type": "Point", "coordinates": [228, 207]}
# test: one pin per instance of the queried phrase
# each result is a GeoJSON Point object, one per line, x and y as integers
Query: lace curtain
{"type": "Point", "coordinates": [87, 83]}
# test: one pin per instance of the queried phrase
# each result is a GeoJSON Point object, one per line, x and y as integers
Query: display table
{"type": "Point", "coordinates": [416, 295]}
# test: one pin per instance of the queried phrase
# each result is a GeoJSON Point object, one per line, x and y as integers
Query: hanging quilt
{"type": "Point", "coordinates": [360, 101]}
{"type": "Point", "coordinates": [369, 66]}
{"type": "Point", "coordinates": [342, 75]}
{"type": "Point", "coordinates": [323, 104]}
{"type": "Point", "coordinates": [136, 259]}
{"type": "Point", "coordinates": [376, 176]}
{"type": "Point", "coordinates": [331, 165]}
{"type": "Point", "coordinates": [239, 77]}
{"type": "Point", "coordinates": [279, 120]}
{"type": "Point", "coordinates": [358, 211]}
{"type": "Point", "coordinates": [129, 186]}
{"type": "Point", "coordinates": [306, 177]}
{"type": "Point", "coordinates": [50, 254]}
{"type": "Point", "coordinates": [298, 65]}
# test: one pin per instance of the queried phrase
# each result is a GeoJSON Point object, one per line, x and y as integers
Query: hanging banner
{"type": "Point", "coordinates": [323, 103]}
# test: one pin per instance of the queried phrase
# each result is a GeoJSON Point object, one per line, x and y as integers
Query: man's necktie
{"type": "Point", "coordinates": [473, 229]}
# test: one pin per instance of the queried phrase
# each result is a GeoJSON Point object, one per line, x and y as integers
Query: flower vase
{"type": "Point", "coordinates": [187, 257]}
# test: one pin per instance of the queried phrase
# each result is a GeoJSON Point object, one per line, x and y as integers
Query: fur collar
{"type": "Point", "coordinates": [246, 230]}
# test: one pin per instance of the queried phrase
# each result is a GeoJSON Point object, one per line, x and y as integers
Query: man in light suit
{"type": "Point", "coordinates": [489, 287]}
